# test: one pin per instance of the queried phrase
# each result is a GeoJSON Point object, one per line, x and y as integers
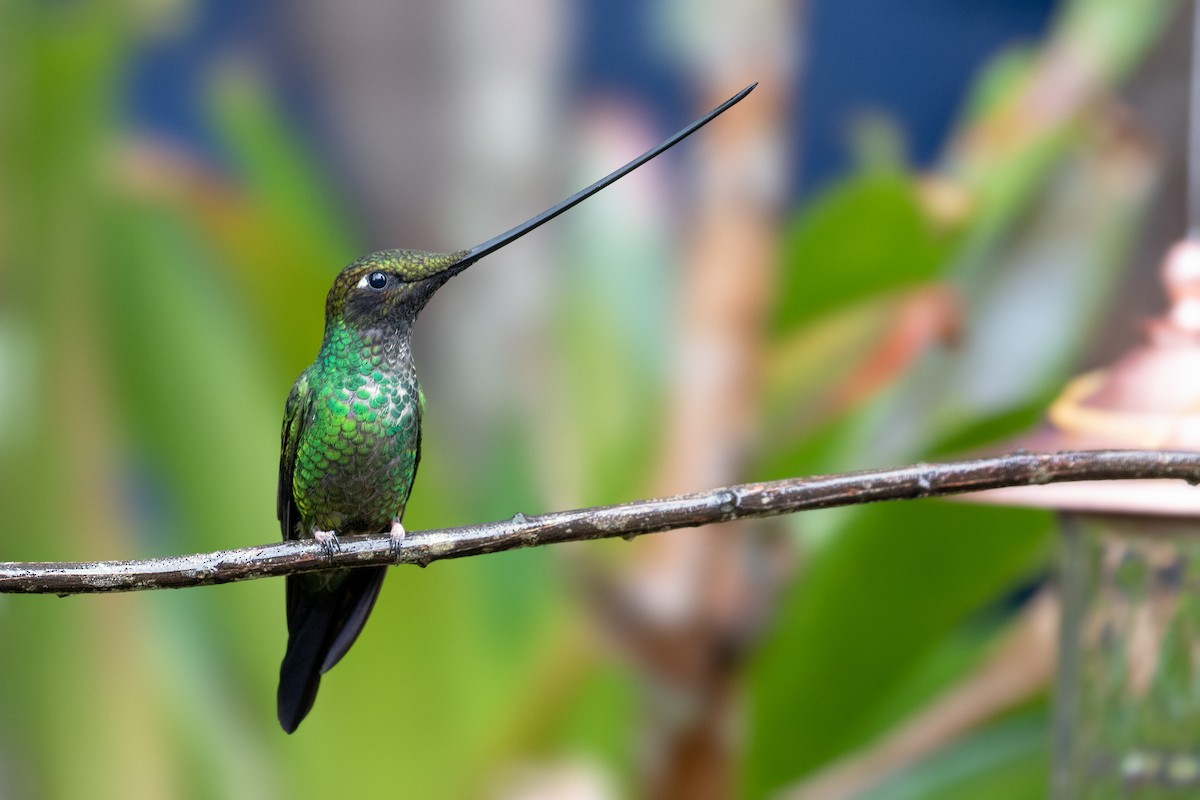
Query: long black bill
{"type": "Point", "coordinates": [491, 245]}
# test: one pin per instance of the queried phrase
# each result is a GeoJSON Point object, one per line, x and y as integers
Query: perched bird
{"type": "Point", "coordinates": [351, 437]}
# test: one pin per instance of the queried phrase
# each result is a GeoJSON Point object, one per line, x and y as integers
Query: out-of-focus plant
{"type": "Point", "coordinates": [1025, 226]}
{"type": "Point", "coordinates": [154, 310]}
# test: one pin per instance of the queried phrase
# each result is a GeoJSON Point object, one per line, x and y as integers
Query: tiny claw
{"type": "Point", "coordinates": [328, 541]}
{"type": "Point", "coordinates": [396, 536]}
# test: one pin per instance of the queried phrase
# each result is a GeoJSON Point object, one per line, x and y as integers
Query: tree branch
{"type": "Point", "coordinates": [625, 519]}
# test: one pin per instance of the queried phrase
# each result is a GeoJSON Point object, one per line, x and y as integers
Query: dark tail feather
{"type": "Point", "coordinates": [362, 595]}
{"type": "Point", "coordinates": [322, 625]}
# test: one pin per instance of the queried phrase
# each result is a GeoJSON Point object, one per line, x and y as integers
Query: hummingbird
{"type": "Point", "coordinates": [351, 439]}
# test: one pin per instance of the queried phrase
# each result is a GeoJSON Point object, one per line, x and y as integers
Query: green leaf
{"type": "Point", "coordinates": [865, 236]}
{"type": "Point", "coordinates": [1006, 761]}
{"type": "Point", "coordinates": [877, 598]}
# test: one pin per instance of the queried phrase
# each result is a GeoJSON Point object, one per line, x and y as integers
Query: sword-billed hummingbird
{"type": "Point", "coordinates": [352, 435]}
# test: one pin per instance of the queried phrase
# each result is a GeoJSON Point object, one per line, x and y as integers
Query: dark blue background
{"type": "Point", "coordinates": [912, 59]}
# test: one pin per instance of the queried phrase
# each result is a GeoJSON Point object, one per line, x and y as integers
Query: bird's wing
{"type": "Point", "coordinates": [295, 418]}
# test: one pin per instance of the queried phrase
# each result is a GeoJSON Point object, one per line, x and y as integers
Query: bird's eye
{"type": "Point", "coordinates": [377, 280]}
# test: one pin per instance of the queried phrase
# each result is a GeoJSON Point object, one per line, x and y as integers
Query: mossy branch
{"type": "Point", "coordinates": [626, 520]}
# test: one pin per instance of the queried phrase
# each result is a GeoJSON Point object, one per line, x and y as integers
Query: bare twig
{"type": "Point", "coordinates": [625, 519]}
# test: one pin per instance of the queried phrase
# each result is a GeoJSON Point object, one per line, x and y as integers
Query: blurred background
{"type": "Point", "coordinates": [926, 218]}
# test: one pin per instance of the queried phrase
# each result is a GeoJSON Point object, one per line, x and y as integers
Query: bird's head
{"type": "Point", "coordinates": [389, 288]}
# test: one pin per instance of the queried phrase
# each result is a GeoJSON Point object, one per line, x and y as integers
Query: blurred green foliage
{"type": "Point", "coordinates": [1034, 260]}
{"type": "Point", "coordinates": [152, 319]}
{"type": "Point", "coordinates": [902, 250]}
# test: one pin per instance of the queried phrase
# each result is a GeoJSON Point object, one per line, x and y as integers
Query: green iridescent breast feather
{"type": "Point", "coordinates": [354, 417]}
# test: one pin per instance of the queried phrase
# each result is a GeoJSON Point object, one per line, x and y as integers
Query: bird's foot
{"type": "Point", "coordinates": [396, 537]}
{"type": "Point", "coordinates": [328, 541]}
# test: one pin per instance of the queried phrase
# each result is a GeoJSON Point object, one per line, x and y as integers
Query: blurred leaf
{"type": "Point", "coordinates": [1006, 761]}
{"type": "Point", "coordinates": [865, 236]}
{"type": "Point", "coordinates": [955, 658]}
{"type": "Point", "coordinates": [279, 176]}
{"type": "Point", "coordinates": [846, 360]}
{"type": "Point", "coordinates": [999, 79]}
{"type": "Point", "coordinates": [288, 238]}
{"type": "Point", "coordinates": [999, 427]}
{"type": "Point", "coordinates": [877, 143]}
{"type": "Point", "coordinates": [1004, 156]}
{"type": "Point", "coordinates": [873, 603]}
